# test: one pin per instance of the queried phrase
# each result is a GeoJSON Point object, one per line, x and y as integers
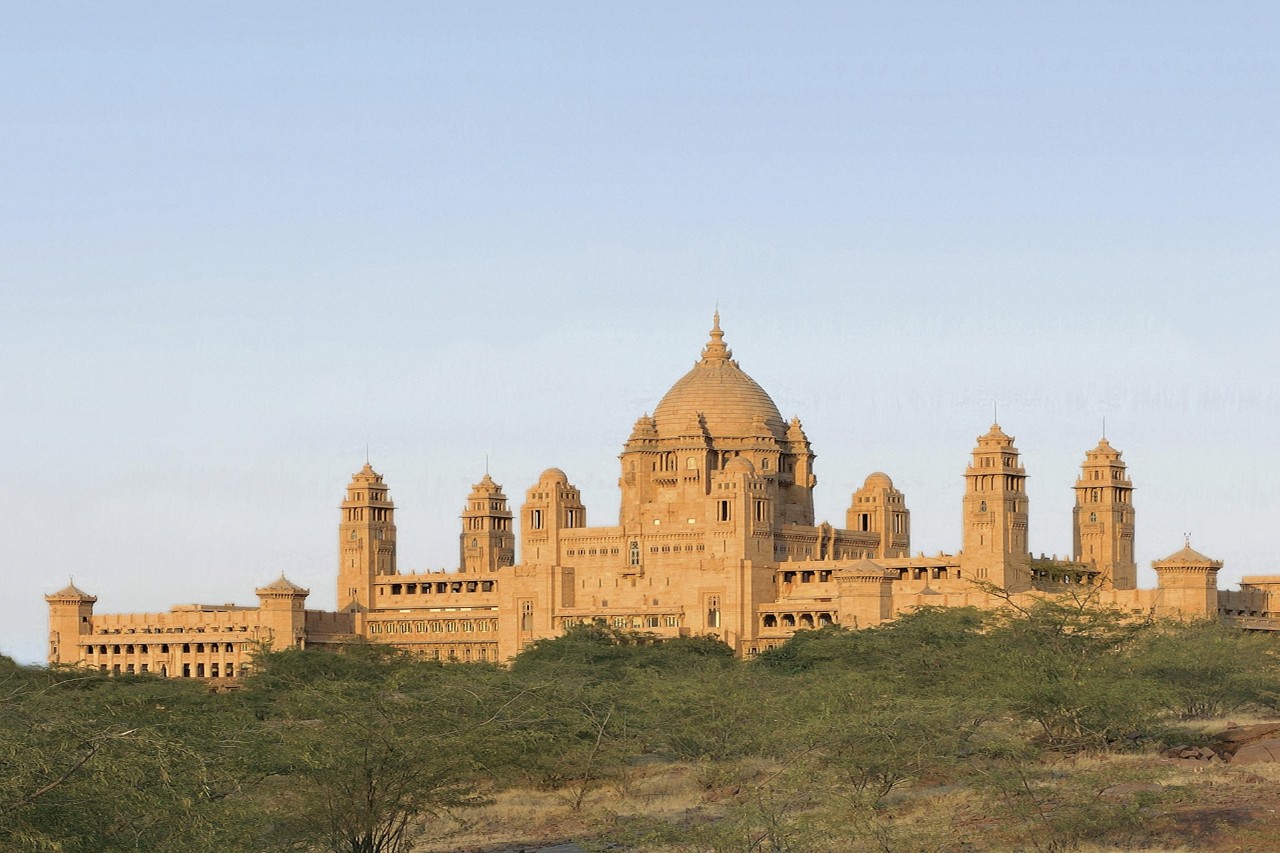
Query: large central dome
{"type": "Point", "coordinates": [730, 401]}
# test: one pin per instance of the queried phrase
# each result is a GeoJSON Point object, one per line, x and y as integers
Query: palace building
{"type": "Point", "coordinates": [716, 535]}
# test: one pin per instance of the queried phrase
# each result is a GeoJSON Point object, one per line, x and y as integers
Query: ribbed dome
{"type": "Point", "coordinates": [730, 401]}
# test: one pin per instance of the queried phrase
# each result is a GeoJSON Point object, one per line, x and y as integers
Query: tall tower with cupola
{"type": "Point", "coordinates": [1102, 522]}
{"type": "Point", "coordinates": [995, 513]}
{"type": "Point", "coordinates": [487, 542]}
{"type": "Point", "coordinates": [366, 538]}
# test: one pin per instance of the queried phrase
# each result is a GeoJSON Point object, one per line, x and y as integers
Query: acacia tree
{"type": "Point", "coordinates": [1066, 664]}
{"type": "Point", "coordinates": [1208, 668]}
{"type": "Point", "coordinates": [94, 763]}
{"type": "Point", "coordinates": [367, 758]}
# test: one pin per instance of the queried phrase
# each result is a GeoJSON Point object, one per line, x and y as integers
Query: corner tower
{"type": "Point", "coordinates": [995, 513]}
{"type": "Point", "coordinates": [1188, 585]}
{"type": "Point", "coordinates": [366, 539]}
{"type": "Point", "coordinates": [70, 617]}
{"type": "Point", "coordinates": [1102, 522]}
{"type": "Point", "coordinates": [486, 543]}
{"type": "Point", "coordinates": [282, 612]}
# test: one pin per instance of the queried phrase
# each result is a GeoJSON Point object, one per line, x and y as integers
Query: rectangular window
{"type": "Point", "coordinates": [724, 510]}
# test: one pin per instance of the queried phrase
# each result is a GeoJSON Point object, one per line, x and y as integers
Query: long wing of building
{"type": "Point", "coordinates": [715, 536]}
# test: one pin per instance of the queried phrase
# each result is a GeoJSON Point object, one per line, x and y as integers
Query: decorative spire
{"type": "Point", "coordinates": [716, 350]}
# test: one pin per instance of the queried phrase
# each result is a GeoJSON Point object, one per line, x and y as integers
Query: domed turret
{"type": "Point", "coordinates": [879, 512]}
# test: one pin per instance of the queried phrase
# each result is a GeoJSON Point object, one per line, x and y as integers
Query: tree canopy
{"type": "Point", "coordinates": [358, 750]}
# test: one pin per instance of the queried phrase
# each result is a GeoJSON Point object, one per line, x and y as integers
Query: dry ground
{"type": "Point", "coordinates": [1214, 808]}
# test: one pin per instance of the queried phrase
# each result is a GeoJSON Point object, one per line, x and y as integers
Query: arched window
{"type": "Point", "coordinates": [982, 507]}
{"type": "Point", "coordinates": [634, 554]}
{"type": "Point", "coordinates": [526, 616]}
{"type": "Point", "coordinates": [1093, 516]}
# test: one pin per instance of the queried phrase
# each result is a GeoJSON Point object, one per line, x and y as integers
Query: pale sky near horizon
{"type": "Point", "coordinates": [240, 241]}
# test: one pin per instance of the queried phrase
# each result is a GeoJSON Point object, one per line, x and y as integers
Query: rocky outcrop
{"type": "Point", "coordinates": [1254, 744]}
{"type": "Point", "coordinates": [1258, 752]}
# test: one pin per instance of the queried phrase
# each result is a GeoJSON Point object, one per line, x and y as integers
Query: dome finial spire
{"type": "Point", "coordinates": [716, 350]}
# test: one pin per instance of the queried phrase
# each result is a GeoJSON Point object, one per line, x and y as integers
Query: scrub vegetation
{"type": "Point", "coordinates": [1039, 729]}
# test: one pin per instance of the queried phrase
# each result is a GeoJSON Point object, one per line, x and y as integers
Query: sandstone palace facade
{"type": "Point", "coordinates": [716, 535]}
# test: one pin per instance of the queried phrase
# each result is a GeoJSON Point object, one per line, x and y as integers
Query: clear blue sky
{"type": "Point", "coordinates": [237, 241]}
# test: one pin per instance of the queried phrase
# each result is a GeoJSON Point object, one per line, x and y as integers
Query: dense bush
{"type": "Point", "coordinates": [356, 751]}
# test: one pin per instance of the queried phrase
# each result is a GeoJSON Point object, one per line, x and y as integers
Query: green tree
{"type": "Point", "coordinates": [1067, 665]}
{"type": "Point", "coordinates": [366, 757]}
{"type": "Point", "coordinates": [94, 763]}
{"type": "Point", "coordinates": [1208, 669]}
